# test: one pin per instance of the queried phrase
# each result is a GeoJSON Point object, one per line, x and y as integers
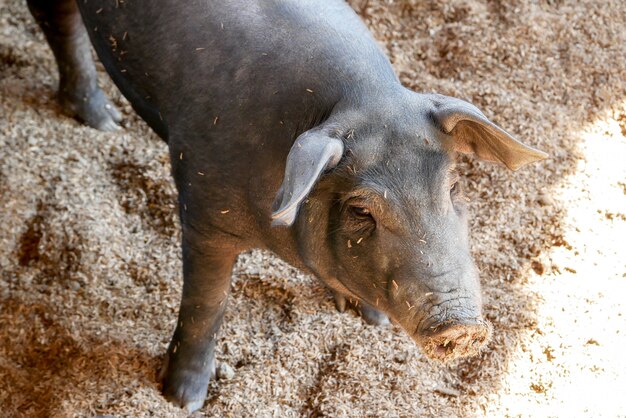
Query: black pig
{"type": "Point", "coordinates": [289, 130]}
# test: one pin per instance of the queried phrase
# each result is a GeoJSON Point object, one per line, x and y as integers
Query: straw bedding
{"type": "Point", "coordinates": [90, 259]}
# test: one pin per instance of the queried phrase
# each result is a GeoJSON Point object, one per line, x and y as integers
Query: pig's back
{"type": "Point", "coordinates": [178, 62]}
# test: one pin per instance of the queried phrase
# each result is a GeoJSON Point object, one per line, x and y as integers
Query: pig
{"type": "Point", "coordinates": [289, 130]}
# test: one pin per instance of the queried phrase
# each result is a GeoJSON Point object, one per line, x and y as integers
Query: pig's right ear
{"type": "Point", "coordinates": [313, 153]}
{"type": "Point", "coordinates": [470, 132]}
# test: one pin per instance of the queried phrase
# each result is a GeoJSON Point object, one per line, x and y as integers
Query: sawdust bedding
{"type": "Point", "coordinates": [89, 240]}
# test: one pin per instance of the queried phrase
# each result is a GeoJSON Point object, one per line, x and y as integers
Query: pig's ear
{"type": "Point", "coordinates": [471, 132]}
{"type": "Point", "coordinates": [313, 153]}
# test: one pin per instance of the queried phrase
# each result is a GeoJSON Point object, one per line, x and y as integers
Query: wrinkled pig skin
{"type": "Point", "coordinates": [288, 130]}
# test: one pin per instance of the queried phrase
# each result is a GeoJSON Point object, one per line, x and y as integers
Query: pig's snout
{"type": "Point", "coordinates": [455, 338]}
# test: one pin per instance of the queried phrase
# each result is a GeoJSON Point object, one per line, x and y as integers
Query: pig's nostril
{"type": "Point", "coordinates": [444, 349]}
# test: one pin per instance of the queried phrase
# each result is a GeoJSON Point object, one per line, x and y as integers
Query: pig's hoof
{"type": "Point", "coordinates": [340, 301]}
{"type": "Point", "coordinates": [93, 109]}
{"type": "Point", "coordinates": [368, 313]}
{"type": "Point", "coordinates": [186, 388]}
{"type": "Point", "coordinates": [372, 316]}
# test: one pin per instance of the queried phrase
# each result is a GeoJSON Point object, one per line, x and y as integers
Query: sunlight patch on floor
{"type": "Point", "coordinates": [573, 363]}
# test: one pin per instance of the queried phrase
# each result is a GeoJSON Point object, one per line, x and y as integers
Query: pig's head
{"type": "Point", "coordinates": [380, 215]}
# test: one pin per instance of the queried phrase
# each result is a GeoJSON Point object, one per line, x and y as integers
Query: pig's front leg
{"type": "Point", "coordinates": [190, 359]}
{"type": "Point", "coordinates": [369, 314]}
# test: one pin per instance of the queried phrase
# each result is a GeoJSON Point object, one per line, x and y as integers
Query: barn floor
{"type": "Point", "coordinates": [89, 240]}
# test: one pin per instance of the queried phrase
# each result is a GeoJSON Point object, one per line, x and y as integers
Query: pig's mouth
{"type": "Point", "coordinates": [460, 334]}
{"type": "Point", "coordinates": [454, 339]}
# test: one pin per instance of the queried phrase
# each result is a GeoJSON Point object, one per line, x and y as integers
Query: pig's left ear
{"type": "Point", "coordinates": [471, 132]}
{"type": "Point", "coordinates": [313, 153]}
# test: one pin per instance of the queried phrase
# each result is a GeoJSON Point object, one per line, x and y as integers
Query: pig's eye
{"type": "Point", "coordinates": [359, 220]}
{"type": "Point", "coordinates": [360, 211]}
{"type": "Point", "coordinates": [454, 187]}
